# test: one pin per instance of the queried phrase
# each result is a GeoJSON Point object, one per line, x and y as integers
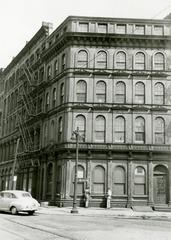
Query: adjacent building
{"type": "Point", "coordinates": [109, 77]}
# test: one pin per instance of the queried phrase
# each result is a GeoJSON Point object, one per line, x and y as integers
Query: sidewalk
{"type": "Point", "coordinates": [115, 212]}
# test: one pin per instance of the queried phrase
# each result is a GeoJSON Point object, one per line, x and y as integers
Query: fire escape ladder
{"type": "Point", "coordinates": [28, 102]}
{"type": "Point", "coordinates": [29, 75]}
{"type": "Point", "coordinates": [25, 134]}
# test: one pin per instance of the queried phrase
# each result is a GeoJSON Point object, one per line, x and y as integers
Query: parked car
{"type": "Point", "coordinates": [15, 201]}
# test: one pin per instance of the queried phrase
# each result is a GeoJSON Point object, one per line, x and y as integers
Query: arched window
{"type": "Point", "coordinates": [158, 93]}
{"type": "Point", "coordinates": [47, 102]}
{"type": "Point", "coordinates": [101, 59]}
{"type": "Point", "coordinates": [82, 61]}
{"type": "Point", "coordinates": [63, 62]}
{"type": "Point", "coordinates": [81, 124]}
{"type": "Point", "coordinates": [159, 61]}
{"type": "Point", "coordinates": [60, 129]}
{"type": "Point", "coordinates": [56, 68]}
{"type": "Point", "coordinates": [140, 93]}
{"type": "Point", "coordinates": [99, 180]}
{"type": "Point", "coordinates": [45, 133]}
{"type": "Point", "coordinates": [81, 91]}
{"type": "Point", "coordinates": [100, 129]}
{"type": "Point", "coordinates": [54, 97]}
{"type": "Point", "coordinates": [62, 93]}
{"type": "Point", "coordinates": [49, 178]}
{"type": "Point", "coordinates": [119, 181]}
{"type": "Point", "coordinates": [139, 130]}
{"type": "Point", "coordinates": [159, 130]}
{"type": "Point", "coordinates": [80, 185]}
{"type": "Point", "coordinates": [101, 91]}
{"type": "Point", "coordinates": [120, 129]}
{"type": "Point", "coordinates": [49, 72]}
{"type": "Point", "coordinates": [140, 61]}
{"type": "Point", "coordinates": [139, 181]}
{"type": "Point", "coordinates": [120, 92]}
{"type": "Point", "coordinates": [121, 60]}
{"type": "Point", "coordinates": [52, 130]}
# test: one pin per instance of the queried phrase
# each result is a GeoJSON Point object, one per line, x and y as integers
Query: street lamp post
{"type": "Point", "coordinates": [74, 209]}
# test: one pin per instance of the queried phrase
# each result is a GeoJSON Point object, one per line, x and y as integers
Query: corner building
{"type": "Point", "coordinates": [110, 77]}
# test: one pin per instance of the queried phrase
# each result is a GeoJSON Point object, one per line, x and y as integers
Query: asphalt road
{"type": "Point", "coordinates": [75, 227]}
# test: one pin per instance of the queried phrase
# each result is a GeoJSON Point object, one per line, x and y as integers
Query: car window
{"type": "Point", "coordinates": [13, 195]}
{"type": "Point", "coordinates": [7, 195]}
{"type": "Point", "coordinates": [26, 195]}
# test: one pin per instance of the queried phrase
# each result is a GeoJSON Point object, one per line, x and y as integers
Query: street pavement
{"type": "Point", "coordinates": [115, 212]}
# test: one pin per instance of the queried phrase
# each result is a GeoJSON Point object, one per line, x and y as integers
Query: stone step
{"type": "Point", "coordinates": [162, 208]}
{"type": "Point", "coordinates": [142, 209]}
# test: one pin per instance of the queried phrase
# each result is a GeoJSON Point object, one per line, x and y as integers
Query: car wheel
{"type": "Point", "coordinates": [14, 210]}
{"type": "Point", "coordinates": [31, 212]}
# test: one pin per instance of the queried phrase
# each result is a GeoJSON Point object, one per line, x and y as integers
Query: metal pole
{"type": "Point", "coordinates": [74, 209]}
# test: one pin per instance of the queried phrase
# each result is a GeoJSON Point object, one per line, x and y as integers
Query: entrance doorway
{"type": "Point", "coordinates": [160, 185]}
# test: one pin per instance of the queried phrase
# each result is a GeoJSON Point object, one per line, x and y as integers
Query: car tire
{"type": "Point", "coordinates": [31, 212]}
{"type": "Point", "coordinates": [14, 210]}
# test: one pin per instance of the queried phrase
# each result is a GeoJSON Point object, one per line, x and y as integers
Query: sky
{"type": "Point", "coordinates": [21, 19]}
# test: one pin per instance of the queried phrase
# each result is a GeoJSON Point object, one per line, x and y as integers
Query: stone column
{"type": "Point", "coordinates": [150, 182]}
{"type": "Point", "coordinates": [44, 181]}
{"type": "Point", "coordinates": [129, 181]}
{"type": "Point", "coordinates": [53, 182]}
{"type": "Point", "coordinates": [68, 178]}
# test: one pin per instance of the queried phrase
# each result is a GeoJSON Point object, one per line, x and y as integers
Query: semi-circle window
{"type": "Point", "coordinates": [101, 91]}
{"type": "Point", "coordinates": [159, 61]}
{"type": "Point", "coordinates": [81, 124]}
{"type": "Point", "coordinates": [120, 92]}
{"type": "Point", "coordinates": [139, 93]}
{"type": "Point", "coordinates": [100, 129]}
{"type": "Point", "coordinates": [159, 131]}
{"type": "Point", "coordinates": [82, 60]}
{"type": "Point", "coordinates": [120, 129]}
{"type": "Point", "coordinates": [101, 59]}
{"type": "Point", "coordinates": [140, 130]}
{"type": "Point", "coordinates": [121, 60]}
{"type": "Point", "coordinates": [81, 91]}
{"type": "Point", "coordinates": [158, 93]}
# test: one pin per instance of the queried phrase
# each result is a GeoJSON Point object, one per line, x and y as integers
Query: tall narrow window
{"type": "Point", "coordinates": [158, 93]}
{"type": "Point", "coordinates": [159, 131]}
{"type": "Point", "coordinates": [47, 102]}
{"type": "Point", "coordinates": [120, 92]}
{"type": "Point", "coordinates": [140, 61]}
{"type": "Point", "coordinates": [81, 124]}
{"type": "Point", "coordinates": [139, 181]}
{"type": "Point", "coordinates": [63, 62]}
{"type": "Point", "coordinates": [139, 93]}
{"type": "Point", "coordinates": [101, 91]}
{"type": "Point", "coordinates": [52, 131]}
{"type": "Point", "coordinates": [119, 181]}
{"type": "Point", "coordinates": [56, 68]}
{"type": "Point", "coordinates": [120, 129]}
{"type": "Point", "coordinates": [159, 61]}
{"type": "Point", "coordinates": [140, 130]}
{"type": "Point", "coordinates": [99, 180]}
{"type": "Point", "coordinates": [81, 91]}
{"type": "Point", "coordinates": [60, 129]}
{"type": "Point", "coordinates": [49, 72]}
{"type": "Point", "coordinates": [100, 129]}
{"type": "Point", "coordinates": [62, 93]}
{"type": "Point", "coordinates": [121, 60]}
{"type": "Point", "coordinates": [45, 133]}
{"type": "Point", "coordinates": [101, 59]}
{"type": "Point", "coordinates": [54, 97]}
{"type": "Point", "coordinates": [82, 61]}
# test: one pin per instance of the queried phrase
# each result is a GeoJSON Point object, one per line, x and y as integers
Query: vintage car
{"type": "Point", "coordinates": [15, 201]}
